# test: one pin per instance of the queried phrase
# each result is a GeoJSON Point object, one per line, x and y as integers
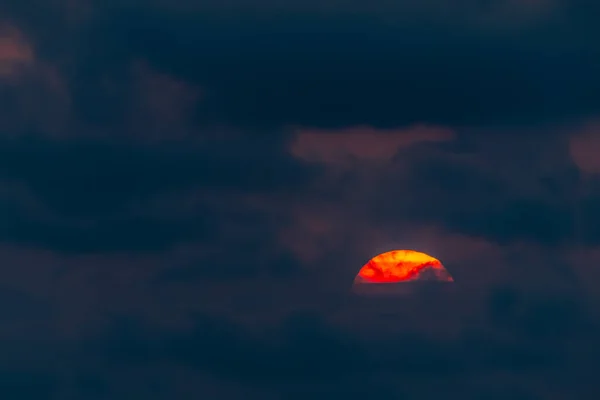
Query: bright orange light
{"type": "Point", "coordinates": [400, 266]}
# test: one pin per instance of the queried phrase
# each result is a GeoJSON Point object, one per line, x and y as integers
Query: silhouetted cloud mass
{"type": "Point", "coordinates": [188, 189]}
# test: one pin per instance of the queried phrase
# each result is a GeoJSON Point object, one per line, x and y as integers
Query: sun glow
{"type": "Point", "coordinates": [401, 266]}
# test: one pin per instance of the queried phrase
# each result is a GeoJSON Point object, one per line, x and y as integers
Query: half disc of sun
{"type": "Point", "coordinates": [395, 269]}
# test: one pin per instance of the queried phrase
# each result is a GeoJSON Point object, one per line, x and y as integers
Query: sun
{"type": "Point", "coordinates": [403, 266]}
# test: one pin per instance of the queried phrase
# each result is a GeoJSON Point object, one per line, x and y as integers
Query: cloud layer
{"type": "Point", "coordinates": [187, 191]}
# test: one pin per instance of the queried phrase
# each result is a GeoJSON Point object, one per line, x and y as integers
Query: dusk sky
{"type": "Point", "coordinates": [188, 189]}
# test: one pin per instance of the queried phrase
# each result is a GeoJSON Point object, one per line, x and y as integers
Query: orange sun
{"type": "Point", "coordinates": [401, 266]}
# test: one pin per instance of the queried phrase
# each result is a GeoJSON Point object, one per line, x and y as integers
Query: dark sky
{"type": "Point", "coordinates": [188, 188]}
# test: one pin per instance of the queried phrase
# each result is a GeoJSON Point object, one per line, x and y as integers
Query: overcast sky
{"type": "Point", "coordinates": [188, 188]}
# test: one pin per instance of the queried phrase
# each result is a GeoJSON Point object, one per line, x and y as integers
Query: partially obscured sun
{"type": "Point", "coordinates": [402, 266]}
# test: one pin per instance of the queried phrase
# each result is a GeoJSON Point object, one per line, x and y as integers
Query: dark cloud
{"type": "Point", "coordinates": [308, 354]}
{"type": "Point", "coordinates": [100, 195]}
{"type": "Point", "coordinates": [187, 190]}
{"type": "Point", "coordinates": [16, 304]}
{"type": "Point", "coordinates": [318, 72]}
{"type": "Point", "coordinates": [467, 192]}
{"type": "Point", "coordinates": [26, 385]}
{"type": "Point", "coordinates": [330, 70]}
{"type": "Point", "coordinates": [100, 176]}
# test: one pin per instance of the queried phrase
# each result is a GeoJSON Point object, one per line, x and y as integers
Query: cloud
{"type": "Point", "coordinates": [16, 53]}
{"type": "Point", "coordinates": [465, 185]}
{"type": "Point", "coordinates": [359, 144]}
{"type": "Point", "coordinates": [316, 351]}
{"type": "Point", "coordinates": [472, 188]}
{"type": "Point", "coordinates": [465, 11]}
{"type": "Point", "coordinates": [353, 75]}
{"type": "Point", "coordinates": [109, 200]}
{"type": "Point", "coordinates": [335, 210]}
{"type": "Point", "coordinates": [35, 97]}
{"type": "Point", "coordinates": [170, 203]}
{"type": "Point", "coordinates": [307, 353]}
{"type": "Point", "coordinates": [359, 72]}
{"type": "Point", "coordinates": [584, 146]}
{"type": "Point", "coordinates": [162, 106]}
